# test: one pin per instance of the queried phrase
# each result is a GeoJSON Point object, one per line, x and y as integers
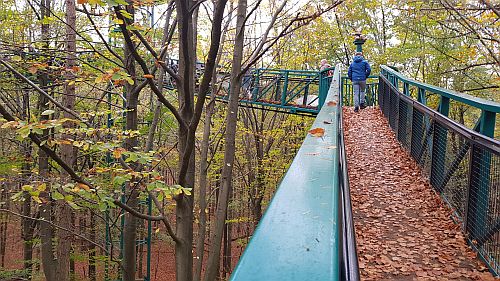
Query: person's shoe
{"type": "Point", "coordinates": [356, 109]}
{"type": "Point", "coordinates": [363, 106]}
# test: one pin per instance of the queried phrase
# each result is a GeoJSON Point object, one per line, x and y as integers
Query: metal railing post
{"type": "Point", "coordinates": [421, 96]}
{"type": "Point", "coordinates": [255, 91]}
{"type": "Point", "coordinates": [439, 147]}
{"type": "Point", "coordinates": [323, 88]}
{"type": "Point", "coordinates": [406, 89]}
{"type": "Point", "coordinates": [285, 89]}
{"type": "Point", "coordinates": [343, 91]}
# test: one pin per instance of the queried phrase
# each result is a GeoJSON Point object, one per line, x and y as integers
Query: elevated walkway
{"type": "Point", "coordinates": [426, 192]}
{"type": "Point", "coordinates": [301, 92]}
{"type": "Point", "coordinates": [403, 229]}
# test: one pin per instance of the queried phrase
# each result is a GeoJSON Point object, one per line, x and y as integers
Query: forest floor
{"type": "Point", "coordinates": [162, 255]}
{"type": "Point", "coordinates": [404, 231]}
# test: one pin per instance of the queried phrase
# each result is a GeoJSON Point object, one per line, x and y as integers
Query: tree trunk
{"type": "Point", "coordinates": [130, 226]}
{"type": "Point", "coordinates": [4, 219]}
{"type": "Point", "coordinates": [210, 108]}
{"type": "Point", "coordinates": [226, 257]}
{"type": "Point", "coordinates": [68, 152]}
{"type": "Point", "coordinates": [184, 210]}
{"type": "Point", "coordinates": [231, 121]}
{"type": "Point", "coordinates": [92, 249]}
{"type": "Point", "coordinates": [27, 224]}
{"type": "Point", "coordinates": [200, 245]}
{"type": "Point", "coordinates": [167, 29]}
{"type": "Point", "coordinates": [49, 262]}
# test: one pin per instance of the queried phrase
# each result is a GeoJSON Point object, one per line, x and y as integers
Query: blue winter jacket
{"type": "Point", "coordinates": [359, 69]}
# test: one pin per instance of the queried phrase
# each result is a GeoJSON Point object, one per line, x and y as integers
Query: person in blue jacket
{"type": "Point", "coordinates": [358, 72]}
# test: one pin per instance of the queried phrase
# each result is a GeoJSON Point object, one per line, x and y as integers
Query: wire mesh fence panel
{"type": "Point", "coordinates": [439, 152]}
{"type": "Point", "coordinates": [386, 103]}
{"type": "Point", "coordinates": [404, 123]}
{"type": "Point", "coordinates": [426, 153]}
{"type": "Point", "coordinates": [453, 185]}
{"type": "Point", "coordinates": [491, 240]}
{"type": "Point", "coordinates": [393, 108]}
{"type": "Point", "coordinates": [417, 134]}
{"type": "Point", "coordinates": [483, 210]}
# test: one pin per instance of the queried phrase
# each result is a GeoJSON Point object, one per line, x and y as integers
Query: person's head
{"type": "Point", "coordinates": [324, 61]}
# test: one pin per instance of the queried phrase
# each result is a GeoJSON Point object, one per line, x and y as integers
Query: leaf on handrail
{"type": "Point", "coordinates": [317, 132]}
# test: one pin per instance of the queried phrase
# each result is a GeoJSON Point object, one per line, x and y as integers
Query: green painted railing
{"type": "Point", "coordinates": [371, 91]}
{"type": "Point", "coordinates": [462, 164]}
{"type": "Point", "coordinates": [489, 109]}
{"type": "Point", "coordinates": [293, 91]}
{"type": "Point", "coordinates": [301, 235]}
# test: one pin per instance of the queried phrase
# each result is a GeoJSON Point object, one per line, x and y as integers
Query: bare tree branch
{"type": "Point", "coordinates": [56, 103]}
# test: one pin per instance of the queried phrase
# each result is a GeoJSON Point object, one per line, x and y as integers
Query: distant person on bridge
{"type": "Point", "coordinates": [324, 65]}
{"type": "Point", "coordinates": [358, 72]}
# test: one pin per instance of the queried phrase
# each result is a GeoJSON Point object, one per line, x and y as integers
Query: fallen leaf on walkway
{"type": "Point", "coordinates": [317, 132]}
{"type": "Point", "coordinates": [332, 103]}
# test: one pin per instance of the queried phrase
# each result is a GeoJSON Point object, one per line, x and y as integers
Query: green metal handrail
{"type": "Point", "coordinates": [489, 109]}
{"type": "Point", "coordinates": [299, 236]}
{"type": "Point", "coordinates": [480, 103]}
{"type": "Point", "coordinates": [371, 91]}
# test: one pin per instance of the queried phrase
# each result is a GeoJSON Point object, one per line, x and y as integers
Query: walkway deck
{"type": "Point", "coordinates": [403, 230]}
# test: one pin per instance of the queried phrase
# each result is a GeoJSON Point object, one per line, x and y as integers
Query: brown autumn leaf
{"type": "Point", "coordinates": [33, 69]}
{"type": "Point", "coordinates": [148, 76]}
{"type": "Point", "coordinates": [331, 103]}
{"type": "Point", "coordinates": [317, 132]}
{"type": "Point", "coordinates": [83, 186]}
{"type": "Point", "coordinates": [117, 152]}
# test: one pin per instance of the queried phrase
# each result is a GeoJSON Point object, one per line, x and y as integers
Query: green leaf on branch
{"type": "Point", "coordinates": [114, 3]}
{"type": "Point", "coordinates": [126, 14]}
{"type": "Point", "coordinates": [74, 206]}
{"type": "Point", "coordinates": [57, 196]}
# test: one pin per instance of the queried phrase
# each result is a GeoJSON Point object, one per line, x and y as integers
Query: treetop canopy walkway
{"type": "Point", "coordinates": [307, 231]}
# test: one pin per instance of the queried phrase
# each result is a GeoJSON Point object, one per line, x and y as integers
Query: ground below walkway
{"type": "Point", "coordinates": [403, 229]}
